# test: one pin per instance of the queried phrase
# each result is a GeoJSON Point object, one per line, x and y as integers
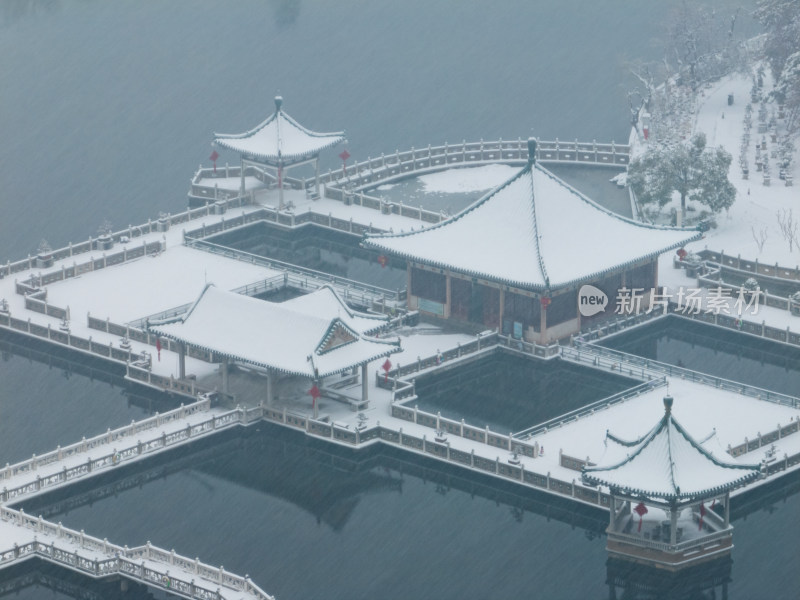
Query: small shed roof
{"type": "Point", "coordinates": [279, 140]}
{"type": "Point", "coordinates": [534, 232]}
{"type": "Point", "coordinates": [311, 336]}
{"type": "Point", "coordinates": [668, 464]}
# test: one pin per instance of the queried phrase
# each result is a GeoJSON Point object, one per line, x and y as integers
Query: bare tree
{"type": "Point", "coordinates": [760, 237]}
{"type": "Point", "coordinates": [788, 227]}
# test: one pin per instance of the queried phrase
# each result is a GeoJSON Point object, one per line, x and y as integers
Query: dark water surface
{"type": "Point", "coordinates": [48, 400]}
{"type": "Point", "coordinates": [721, 352]}
{"type": "Point", "coordinates": [317, 248]}
{"type": "Point", "coordinates": [510, 393]}
{"type": "Point", "coordinates": [106, 109]}
{"type": "Point", "coordinates": [381, 524]}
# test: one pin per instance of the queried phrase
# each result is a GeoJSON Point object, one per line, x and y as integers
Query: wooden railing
{"type": "Point", "coordinates": [116, 447]}
{"type": "Point", "coordinates": [131, 233]}
{"type": "Point", "coordinates": [369, 295]}
{"type": "Point", "coordinates": [67, 338]}
{"type": "Point", "coordinates": [437, 158]}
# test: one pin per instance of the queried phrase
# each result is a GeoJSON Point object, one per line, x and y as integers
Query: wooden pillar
{"type": "Point", "coordinates": [182, 360]}
{"type": "Point", "coordinates": [612, 510]}
{"type": "Point", "coordinates": [270, 387]}
{"type": "Point", "coordinates": [225, 375]}
{"type": "Point", "coordinates": [448, 296]}
{"type": "Point", "coordinates": [408, 286]}
{"type": "Point", "coordinates": [280, 186]}
{"type": "Point", "coordinates": [315, 382]}
{"type": "Point", "coordinates": [727, 509]}
{"type": "Point", "coordinates": [542, 321]}
{"type": "Point", "coordinates": [655, 274]}
{"type": "Point", "coordinates": [364, 383]}
{"type": "Point", "coordinates": [500, 312]}
{"type": "Point", "coordinates": [673, 524]}
{"type": "Point", "coordinates": [316, 176]}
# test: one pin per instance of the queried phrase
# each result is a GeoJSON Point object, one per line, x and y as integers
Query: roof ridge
{"type": "Point", "coordinates": [457, 217]}
{"type": "Point", "coordinates": [529, 169]}
{"type": "Point", "coordinates": [607, 211]}
{"type": "Point", "coordinates": [247, 134]}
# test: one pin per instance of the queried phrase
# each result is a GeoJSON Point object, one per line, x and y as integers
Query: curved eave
{"type": "Point", "coordinates": [644, 494]}
{"type": "Point", "coordinates": [752, 471]}
{"type": "Point", "coordinates": [533, 286]}
{"type": "Point", "coordinates": [548, 282]}
{"type": "Point", "coordinates": [393, 346]}
{"type": "Point", "coordinates": [283, 157]}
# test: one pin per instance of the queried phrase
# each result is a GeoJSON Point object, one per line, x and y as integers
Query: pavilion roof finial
{"type": "Point", "coordinates": [531, 150]}
{"type": "Point", "coordinates": [278, 103]}
{"type": "Point", "coordinates": [668, 404]}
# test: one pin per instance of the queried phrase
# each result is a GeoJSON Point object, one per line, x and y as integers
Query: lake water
{"type": "Point", "coordinates": [510, 393]}
{"type": "Point", "coordinates": [106, 110]}
{"type": "Point", "coordinates": [721, 352]}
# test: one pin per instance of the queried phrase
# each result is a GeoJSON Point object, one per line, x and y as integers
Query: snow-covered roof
{"type": "Point", "coordinates": [325, 303]}
{"type": "Point", "coordinates": [279, 139]}
{"type": "Point", "coordinates": [668, 464]}
{"type": "Point", "coordinates": [312, 336]}
{"type": "Point", "coordinates": [534, 232]}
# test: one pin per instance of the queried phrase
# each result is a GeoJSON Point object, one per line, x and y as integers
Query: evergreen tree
{"type": "Point", "coordinates": [781, 21]}
{"type": "Point", "coordinates": [695, 172]}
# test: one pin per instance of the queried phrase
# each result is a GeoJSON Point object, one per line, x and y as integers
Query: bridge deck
{"type": "Point", "coordinates": [23, 537]}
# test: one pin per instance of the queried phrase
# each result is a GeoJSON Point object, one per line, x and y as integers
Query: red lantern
{"type": "Point", "coordinates": [640, 510]}
{"type": "Point", "coordinates": [382, 260]}
{"type": "Point", "coordinates": [214, 156]}
{"type": "Point", "coordinates": [386, 367]}
{"type": "Point", "coordinates": [545, 301]}
{"type": "Point", "coordinates": [344, 155]}
{"type": "Point", "coordinates": [681, 253]}
{"type": "Point", "coordinates": [314, 393]}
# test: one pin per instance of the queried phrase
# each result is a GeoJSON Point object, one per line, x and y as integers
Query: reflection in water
{"type": "Point", "coordinates": [627, 580]}
{"type": "Point", "coordinates": [509, 393]}
{"type": "Point", "coordinates": [56, 396]}
{"type": "Point", "coordinates": [380, 492]}
{"type": "Point", "coordinates": [296, 499]}
{"type": "Point", "coordinates": [318, 248]}
{"type": "Point", "coordinates": [35, 579]}
{"type": "Point", "coordinates": [716, 351]}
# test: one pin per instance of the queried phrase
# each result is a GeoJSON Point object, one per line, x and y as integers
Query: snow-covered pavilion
{"type": "Point", "coordinates": [517, 257]}
{"type": "Point", "coordinates": [312, 336]}
{"type": "Point", "coordinates": [279, 143]}
{"type": "Point", "coordinates": [687, 489]}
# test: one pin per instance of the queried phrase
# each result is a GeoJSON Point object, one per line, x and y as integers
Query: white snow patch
{"type": "Point", "coordinates": [476, 179]}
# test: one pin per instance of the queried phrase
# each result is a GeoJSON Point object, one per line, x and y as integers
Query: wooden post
{"type": "Point", "coordinates": [364, 383]}
{"type": "Point", "coordinates": [182, 360]}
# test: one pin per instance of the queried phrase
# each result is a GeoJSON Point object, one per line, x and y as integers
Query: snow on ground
{"type": "Point", "coordinates": [475, 179]}
{"type": "Point", "coordinates": [701, 409]}
{"type": "Point", "coordinates": [152, 284]}
{"type": "Point", "coordinates": [424, 341]}
{"type": "Point", "coordinates": [675, 279]}
{"type": "Point", "coordinates": [756, 205]}
{"type": "Point", "coordinates": [328, 206]}
{"type": "Point", "coordinates": [234, 183]}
